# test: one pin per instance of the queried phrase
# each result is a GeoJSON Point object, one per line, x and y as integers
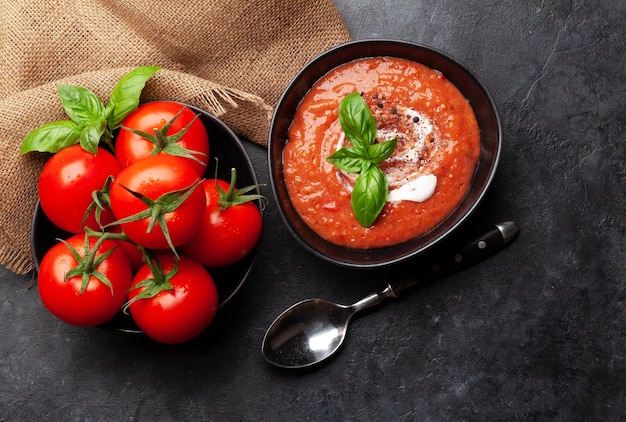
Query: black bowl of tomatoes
{"type": "Point", "coordinates": [225, 152]}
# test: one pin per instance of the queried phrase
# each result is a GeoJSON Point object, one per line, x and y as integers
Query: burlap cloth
{"type": "Point", "coordinates": [232, 58]}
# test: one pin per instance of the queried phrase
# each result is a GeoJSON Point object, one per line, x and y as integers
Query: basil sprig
{"type": "Point", "coordinates": [370, 190]}
{"type": "Point", "coordinates": [90, 120]}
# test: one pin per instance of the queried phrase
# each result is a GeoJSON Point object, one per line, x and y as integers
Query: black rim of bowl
{"type": "Point", "coordinates": [230, 152]}
{"type": "Point", "coordinates": [472, 88]}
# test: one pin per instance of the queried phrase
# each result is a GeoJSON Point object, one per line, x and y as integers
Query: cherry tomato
{"type": "Point", "coordinates": [133, 253]}
{"type": "Point", "coordinates": [226, 235]}
{"type": "Point", "coordinates": [66, 184]}
{"type": "Point", "coordinates": [98, 303]}
{"type": "Point", "coordinates": [130, 146]}
{"type": "Point", "coordinates": [180, 313]}
{"type": "Point", "coordinates": [153, 177]}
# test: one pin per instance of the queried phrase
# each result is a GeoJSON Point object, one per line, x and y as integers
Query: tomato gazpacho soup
{"type": "Point", "coordinates": [428, 174]}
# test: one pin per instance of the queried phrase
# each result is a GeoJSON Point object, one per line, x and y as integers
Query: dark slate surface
{"type": "Point", "coordinates": [537, 332]}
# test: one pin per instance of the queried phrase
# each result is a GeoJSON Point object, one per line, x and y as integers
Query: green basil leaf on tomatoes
{"type": "Point", "coordinates": [90, 136]}
{"type": "Point", "coordinates": [125, 96]}
{"type": "Point", "coordinates": [86, 111]}
{"type": "Point", "coordinates": [370, 190]}
{"type": "Point", "coordinates": [51, 137]}
{"type": "Point", "coordinates": [80, 104]}
{"type": "Point", "coordinates": [91, 122]}
{"type": "Point", "coordinates": [369, 195]}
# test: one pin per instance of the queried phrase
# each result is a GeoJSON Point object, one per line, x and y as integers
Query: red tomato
{"type": "Point", "coordinates": [181, 313]}
{"type": "Point", "coordinates": [130, 147]}
{"type": "Point", "coordinates": [153, 177]}
{"type": "Point", "coordinates": [133, 253]}
{"type": "Point", "coordinates": [66, 184]}
{"type": "Point", "coordinates": [98, 303]}
{"type": "Point", "coordinates": [226, 235]}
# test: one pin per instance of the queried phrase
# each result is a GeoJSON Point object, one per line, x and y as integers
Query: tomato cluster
{"type": "Point", "coordinates": [147, 226]}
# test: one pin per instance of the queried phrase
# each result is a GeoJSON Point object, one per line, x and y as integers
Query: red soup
{"type": "Point", "coordinates": [428, 174]}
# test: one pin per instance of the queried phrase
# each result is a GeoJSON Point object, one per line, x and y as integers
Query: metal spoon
{"type": "Point", "coordinates": [311, 331]}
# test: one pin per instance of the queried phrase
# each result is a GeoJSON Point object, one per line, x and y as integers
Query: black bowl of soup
{"type": "Point", "coordinates": [448, 141]}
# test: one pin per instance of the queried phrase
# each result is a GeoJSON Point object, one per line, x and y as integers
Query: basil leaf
{"type": "Point", "coordinates": [370, 190]}
{"type": "Point", "coordinates": [51, 137]}
{"type": "Point", "coordinates": [80, 104]}
{"type": "Point", "coordinates": [90, 136]}
{"type": "Point", "coordinates": [369, 195]}
{"type": "Point", "coordinates": [90, 119]}
{"type": "Point", "coordinates": [377, 153]}
{"type": "Point", "coordinates": [346, 159]}
{"type": "Point", "coordinates": [126, 94]}
{"type": "Point", "coordinates": [357, 121]}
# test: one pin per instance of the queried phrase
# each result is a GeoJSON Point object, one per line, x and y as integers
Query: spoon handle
{"type": "Point", "coordinates": [490, 242]}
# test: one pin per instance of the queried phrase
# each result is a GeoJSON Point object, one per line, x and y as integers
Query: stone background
{"type": "Point", "coordinates": [535, 333]}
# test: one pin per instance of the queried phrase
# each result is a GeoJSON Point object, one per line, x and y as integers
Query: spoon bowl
{"type": "Point", "coordinates": [309, 332]}
{"type": "Point", "coordinates": [313, 330]}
